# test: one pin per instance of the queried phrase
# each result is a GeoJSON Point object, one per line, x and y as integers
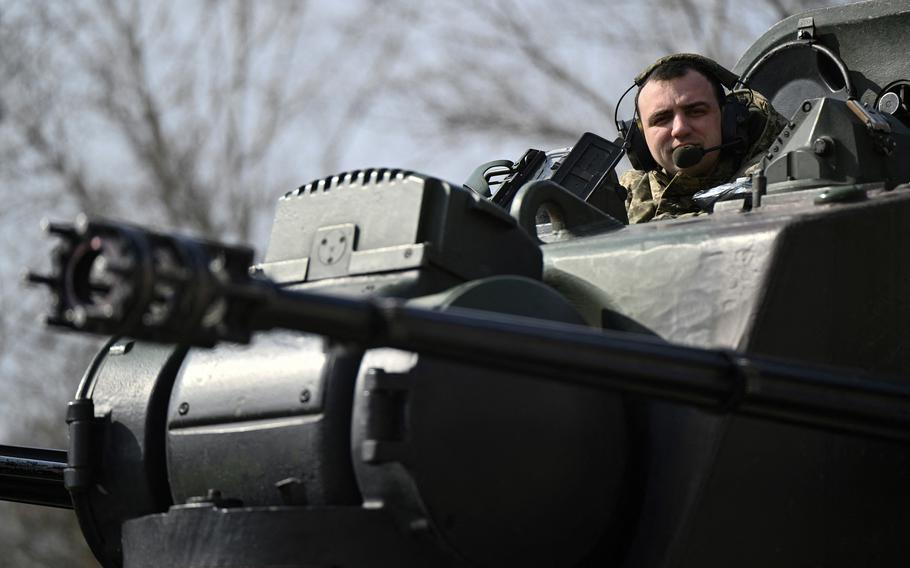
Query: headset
{"type": "Point", "coordinates": [734, 112]}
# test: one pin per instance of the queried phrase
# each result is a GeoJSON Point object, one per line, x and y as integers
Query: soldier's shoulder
{"type": "Point", "coordinates": [632, 178]}
{"type": "Point", "coordinates": [763, 126]}
{"type": "Point", "coordinates": [640, 204]}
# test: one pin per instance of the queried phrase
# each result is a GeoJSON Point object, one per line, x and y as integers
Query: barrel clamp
{"type": "Point", "coordinates": [744, 381]}
{"type": "Point", "coordinates": [80, 418]}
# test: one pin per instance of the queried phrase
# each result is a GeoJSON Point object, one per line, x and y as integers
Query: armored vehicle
{"type": "Point", "coordinates": [447, 377]}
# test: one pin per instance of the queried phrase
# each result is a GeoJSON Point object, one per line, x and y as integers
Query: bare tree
{"type": "Point", "coordinates": [183, 114]}
{"type": "Point", "coordinates": [534, 72]}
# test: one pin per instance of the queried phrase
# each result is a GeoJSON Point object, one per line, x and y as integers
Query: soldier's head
{"type": "Point", "coordinates": [679, 102]}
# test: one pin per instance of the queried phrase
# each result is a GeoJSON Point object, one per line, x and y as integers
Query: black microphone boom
{"type": "Point", "coordinates": [688, 155]}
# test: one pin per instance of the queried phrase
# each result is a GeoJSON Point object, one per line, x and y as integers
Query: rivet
{"type": "Point", "coordinates": [305, 395]}
{"type": "Point", "coordinates": [822, 145]}
{"type": "Point", "coordinates": [183, 408]}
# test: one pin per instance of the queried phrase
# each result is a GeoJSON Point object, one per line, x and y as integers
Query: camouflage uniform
{"type": "Point", "coordinates": [652, 196]}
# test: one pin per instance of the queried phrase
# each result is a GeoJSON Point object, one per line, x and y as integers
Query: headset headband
{"type": "Point", "coordinates": [727, 78]}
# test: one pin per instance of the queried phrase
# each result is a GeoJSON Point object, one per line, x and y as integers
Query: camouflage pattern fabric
{"type": "Point", "coordinates": [727, 78]}
{"type": "Point", "coordinates": [657, 195]}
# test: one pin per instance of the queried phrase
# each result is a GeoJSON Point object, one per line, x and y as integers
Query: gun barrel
{"type": "Point", "coordinates": [719, 380]}
{"type": "Point", "coordinates": [34, 476]}
{"type": "Point", "coordinates": [120, 279]}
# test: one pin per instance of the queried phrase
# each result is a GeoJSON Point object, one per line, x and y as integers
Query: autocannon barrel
{"type": "Point", "coordinates": [122, 280]}
{"type": "Point", "coordinates": [33, 475]}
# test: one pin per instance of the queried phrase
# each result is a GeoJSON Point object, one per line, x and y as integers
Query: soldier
{"type": "Point", "coordinates": [681, 101]}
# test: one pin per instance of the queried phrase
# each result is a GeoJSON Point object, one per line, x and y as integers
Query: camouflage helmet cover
{"type": "Point", "coordinates": [726, 77]}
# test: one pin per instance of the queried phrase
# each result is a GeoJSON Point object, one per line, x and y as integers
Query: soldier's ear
{"type": "Point", "coordinates": [734, 123]}
{"type": "Point", "coordinates": [636, 146]}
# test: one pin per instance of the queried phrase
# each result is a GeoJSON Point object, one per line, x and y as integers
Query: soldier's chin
{"type": "Point", "coordinates": [690, 171]}
{"type": "Point", "coordinates": [698, 169]}
{"type": "Point", "coordinates": [702, 168]}
{"type": "Point", "coordinates": [669, 167]}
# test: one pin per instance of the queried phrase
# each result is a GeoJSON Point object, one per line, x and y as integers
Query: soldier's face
{"type": "Point", "coordinates": [677, 112]}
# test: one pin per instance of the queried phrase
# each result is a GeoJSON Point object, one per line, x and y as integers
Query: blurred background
{"type": "Point", "coordinates": [196, 115]}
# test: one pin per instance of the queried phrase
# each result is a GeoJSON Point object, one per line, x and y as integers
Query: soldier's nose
{"type": "Point", "coordinates": [680, 126]}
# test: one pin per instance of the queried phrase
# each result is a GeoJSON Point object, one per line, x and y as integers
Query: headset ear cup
{"type": "Point", "coordinates": [734, 124]}
{"type": "Point", "coordinates": [638, 153]}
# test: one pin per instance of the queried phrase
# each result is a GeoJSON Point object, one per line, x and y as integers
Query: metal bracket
{"type": "Point", "coordinates": [330, 256]}
{"type": "Point", "coordinates": [568, 213]}
{"type": "Point", "coordinates": [805, 29]}
{"type": "Point", "coordinates": [80, 417]}
{"type": "Point", "coordinates": [744, 380]}
{"type": "Point", "coordinates": [386, 419]}
{"type": "Point", "coordinates": [877, 126]}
